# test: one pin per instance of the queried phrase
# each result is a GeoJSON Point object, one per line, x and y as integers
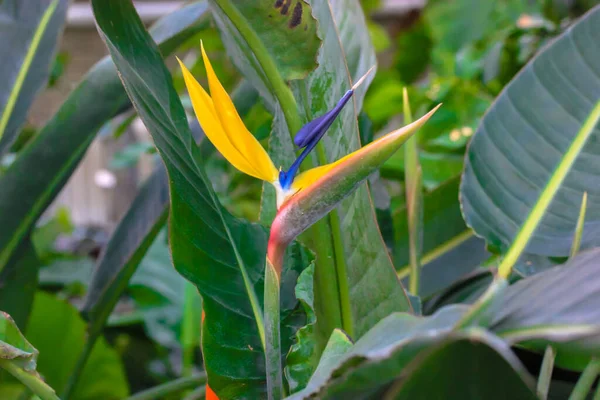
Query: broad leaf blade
{"type": "Point", "coordinates": [223, 256]}
{"type": "Point", "coordinates": [287, 30]}
{"type": "Point", "coordinates": [523, 137]}
{"type": "Point", "coordinates": [27, 189]}
{"type": "Point", "coordinates": [403, 347]}
{"type": "Point", "coordinates": [29, 33]}
{"type": "Point", "coordinates": [560, 306]}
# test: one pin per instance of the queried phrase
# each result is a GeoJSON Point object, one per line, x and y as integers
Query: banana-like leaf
{"type": "Point", "coordinates": [29, 32]}
{"type": "Point", "coordinates": [223, 256]}
{"type": "Point", "coordinates": [403, 349]}
{"type": "Point", "coordinates": [44, 166]}
{"type": "Point", "coordinates": [524, 136]}
{"type": "Point", "coordinates": [560, 306]}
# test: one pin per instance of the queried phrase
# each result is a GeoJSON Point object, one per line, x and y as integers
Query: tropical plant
{"type": "Point", "coordinates": [309, 301]}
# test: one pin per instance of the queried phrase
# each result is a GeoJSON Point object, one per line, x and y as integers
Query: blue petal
{"type": "Point", "coordinates": [308, 137]}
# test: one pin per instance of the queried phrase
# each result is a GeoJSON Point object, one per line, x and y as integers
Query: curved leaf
{"type": "Point", "coordinates": [286, 29]}
{"type": "Point", "coordinates": [560, 306]}
{"type": "Point", "coordinates": [26, 190]}
{"type": "Point", "coordinates": [524, 136]}
{"type": "Point", "coordinates": [223, 256]}
{"type": "Point", "coordinates": [403, 347]}
{"type": "Point", "coordinates": [29, 32]}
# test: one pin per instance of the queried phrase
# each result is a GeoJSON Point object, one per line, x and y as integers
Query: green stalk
{"type": "Point", "coordinates": [550, 354]}
{"type": "Point", "coordinates": [35, 42]}
{"type": "Point", "coordinates": [540, 207]}
{"type": "Point", "coordinates": [586, 380]}
{"type": "Point", "coordinates": [33, 382]}
{"type": "Point", "coordinates": [190, 327]}
{"type": "Point", "coordinates": [170, 388]}
{"type": "Point", "coordinates": [543, 384]}
{"type": "Point", "coordinates": [413, 182]}
{"type": "Point", "coordinates": [272, 331]}
{"type": "Point", "coordinates": [280, 89]}
{"type": "Point", "coordinates": [579, 228]}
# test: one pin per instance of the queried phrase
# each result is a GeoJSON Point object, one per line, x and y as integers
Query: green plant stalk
{"type": "Point", "coordinates": [550, 354]}
{"type": "Point", "coordinates": [439, 251]}
{"type": "Point", "coordinates": [542, 204]}
{"type": "Point", "coordinates": [543, 384]}
{"type": "Point", "coordinates": [170, 388]}
{"type": "Point", "coordinates": [579, 228]}
{"type": "Point", "coordinates": [413, 182]}
{"type": "Point", "coordinates": [280, 89]}
{"type": "Point", "coordinates": [35, 42]}
{"type": "Point", "coordinates": [597, 394]}
{"type": "Point", "coordinates": [33, 382]}
{"type": "Point", "coordinates": [196, 394]}
{"type": "Point", "coordinates": [190, 335]}
{"type": "Point", "coordinates": [272, 330]}
{"type": "Point", "coordinates": [586, 380]}
{"type": "Point", "coordinates": [477, 311]}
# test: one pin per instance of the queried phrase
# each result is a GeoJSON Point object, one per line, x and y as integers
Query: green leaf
{"type": "Point", "coordinates": [560, 306]}
{"type": "Point", "coordinates": [14, 346]}
{"type": "Point", "coordinates": [449, 248]}
{"type": "Point", "coordinates": [286, 30]}
{"type": "Point", "coordinates": [59, 333]}
{"type": "Point", "coordinates": [18, 283]}
{"type": "Point", "coordinates": [26, 189]}
{"type": "Point", "coordinates": [19, 358]}
{"type": "Point", "coordinates": [539, 113]}
{"type": "Point", "coordinates": [405, 349]}
{"type": "Point", "coordinates": [489, 370]}
{"type": "Point", "coordinates": [30, 30]}
{"type": "Point", "coordinates": [303, 357]}
{"type": "Point", "coordinates": [223, 256]}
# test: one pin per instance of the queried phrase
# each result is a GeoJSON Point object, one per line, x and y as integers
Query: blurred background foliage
{"type": "Point", "coordinates": [460, 53]}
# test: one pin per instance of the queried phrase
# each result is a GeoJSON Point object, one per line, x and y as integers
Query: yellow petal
{"type": "Point", "coordinates": [307, 178]}
{"type": "Point", "coordinates": [235, 129]}
{"type": "Point", "coordinates": [207, 116]}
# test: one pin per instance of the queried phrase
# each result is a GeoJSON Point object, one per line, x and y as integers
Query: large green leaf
{"type": "Point", "coordinates": [286, 29]}
{"type": "Point", "coordinates": [59, 333]}
{"type": "Point", "coordinates": [222, 255]}
{"type": "Point", "coordinates": [44, 166]}
{"type": "Point", "coordinates": [560, 306]}
{"type": "Point", "coordinates": [403, 348]}
{"type": "Point", "coordinates": [523, 137]}
{"type": "Point", "coordinates": [450, 249]}
{"type": "Point", "coordinates": [29, 32]}
{"type": "Point", "coordinates": [18, 283]}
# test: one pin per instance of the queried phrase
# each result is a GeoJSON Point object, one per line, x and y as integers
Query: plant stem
{"type": "Point", "coordinates": [33, 382]}
{"type": "Point", "coordinates": [272, 331]}
{"type": "Point", "coordinates": [545, 377]}
{"type": "Point", "coordinates": [579, 228]}
{"type": "Point", "coordinates": [173, 387]}
{"type": "Point", "coordinates": [476, 312]}
{"type": "Point", "coordinates": [190, 327]}
{"type": "Point", "coordinates": [412, 179]}
{"type": "Point", "coordinates": [543, 202]}
{"type": "Point", "coordinates": [586, 380]}
{"type": "Point", "coordinates": [81, 361]}
{"type": "Point", "coordinates": [279, 87]}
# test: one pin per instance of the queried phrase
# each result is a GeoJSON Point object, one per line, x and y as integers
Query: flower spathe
{"type": "Point", "coordinates": [225, 129]}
